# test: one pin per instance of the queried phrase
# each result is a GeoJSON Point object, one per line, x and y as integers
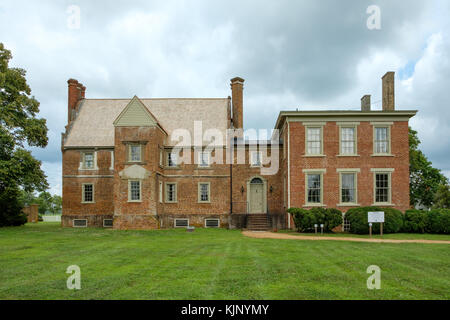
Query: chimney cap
{"type": "Point", "coordinates": [237, 79]}
{"type": "Point", "coordinates": [388, 73]}
{"type": "Point", "coordinates": [365, 96]}
{"type": "Point", "coordinates": [72, 81]}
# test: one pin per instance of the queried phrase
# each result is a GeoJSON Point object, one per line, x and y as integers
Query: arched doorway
{"type": "Point", "coordinates": [256, 195]}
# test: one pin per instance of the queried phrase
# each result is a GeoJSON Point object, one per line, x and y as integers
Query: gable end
{"type": "Point", "coordinates": [135, 114]}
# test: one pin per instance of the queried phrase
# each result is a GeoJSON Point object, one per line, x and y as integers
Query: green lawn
{"type": "Point", "coordinates": [211, 264]}
{"type": "Point", "coordinates": [398, 236]}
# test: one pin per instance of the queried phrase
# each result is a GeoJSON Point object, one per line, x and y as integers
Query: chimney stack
{"type": "Point", "coordinates": [76, 93]}
{"type": "Point", "coordinates": [365, 103]}
{"type": "Point", "coordinates": [237, 88]}
{"type": "Point", "coordinates": [388, 91]}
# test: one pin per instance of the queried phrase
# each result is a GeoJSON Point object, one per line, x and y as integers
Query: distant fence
{"type": "Point", "coordinates": [51, 218]}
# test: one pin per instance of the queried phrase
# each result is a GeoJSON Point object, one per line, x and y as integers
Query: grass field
{"type": "Point", "coordinates": [395, 236]}
{"type": "Point", "coordinates": [211, 264]}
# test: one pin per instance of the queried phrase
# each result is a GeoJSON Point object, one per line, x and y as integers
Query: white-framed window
{"type": "Point", "coordinates": [204, 192]}
{"type": "Point", "coordinates": [348, 140]}
{"type": "Point", "coordinates": [87, 194]}
{"type": "Point", "coordinates": [112, 160]}
{"type": "Point", "coordinates": [172, 159]}
{"type": "Point", "coordinates": [135, 153]}
{"type": "Point", "coordinates": [134, 190]}
{"type": "Point", "coordinates": [348, 187]}
{"type": "Point", "coordinates": [181, 223]}
{"type": "Point", "coordinates": [382, 140]}
{"type": "Point", "coordinates": [160, 191]}
{"type": "Point", "coordinates": [314, 187]}
{"type": "Point", "coordinates": [171, 192]}
{"type": "Point", "coordinates": [256, 158]}
{"type": "Point", "coordinates": [79, 223]}
{"type": "Point", "coordinates": [314, 140]}
{"type": "Point", "coordinates": [107, 223]}
{"type": "Point", "coordinates": [382, 181]}
{"type": "Point", "coordinates": [212, 223]}
{"type": "Point", "coordinates": [161, 157]}
{"type": "Point", "coordinates": [204, 159]}
{"type": "Point", "coordinates": [88, 160]}
{"type": "Point", "coordinates": [345, 225]}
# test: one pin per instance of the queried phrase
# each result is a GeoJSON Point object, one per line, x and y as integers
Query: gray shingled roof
{"type": "Point", "coordinates": [93, 126]}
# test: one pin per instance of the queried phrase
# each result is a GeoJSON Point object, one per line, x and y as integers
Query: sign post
{"type": "Point", "coordinates": [321, 229]}
{"type": "Point", "coordinates": [315, 228]}
{"type": "Point", "coordinates": [375, 217]}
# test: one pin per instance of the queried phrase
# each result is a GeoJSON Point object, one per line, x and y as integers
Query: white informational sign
{"type": "Point", "coordinates": [376, 216]}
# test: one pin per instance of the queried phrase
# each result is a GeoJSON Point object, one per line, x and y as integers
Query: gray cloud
{"type": "Point", "coordinates": [305, 54]}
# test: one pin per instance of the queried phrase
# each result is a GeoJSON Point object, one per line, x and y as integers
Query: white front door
{"type": "Point", "coordinates": [256, 198]}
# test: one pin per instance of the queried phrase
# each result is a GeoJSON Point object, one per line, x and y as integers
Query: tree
{"type": "Point", "coordinates": [442, 197]}
{"type": "Point", "coordinates": [19, 127]}
{"type": "Point", "coordinates": [424, 180]}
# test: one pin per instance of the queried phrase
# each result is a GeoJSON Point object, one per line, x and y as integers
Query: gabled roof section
{"type": "Point", "coordinates": [135, 114]}
{"type": "Point", "coordinates": [93, 125]}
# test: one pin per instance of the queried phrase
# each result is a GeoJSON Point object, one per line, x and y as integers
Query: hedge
{"type": "Point", "coordinates": [421, 221]}
{"type": "Point", "coordinates": [415, 221]}
{"type": "Point", "coordinates": [305, 219]}
{"type": "Point", "coordinates": [393, 220]}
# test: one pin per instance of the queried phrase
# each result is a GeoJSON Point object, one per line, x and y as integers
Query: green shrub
{"type": "Point", "coordinates": [438, 221]}
{"type": "Point", "coordinates": [393, 220]}
{"type": "Point", "coordinates": [415, 221]}
{"type": "Point", "coordinates": [333, 219]}
{"type": "Point", "coordinates": [305, 219]}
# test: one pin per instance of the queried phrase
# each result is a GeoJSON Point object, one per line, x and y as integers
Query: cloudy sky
{"type": "Point", "coordinates": [292, 54]}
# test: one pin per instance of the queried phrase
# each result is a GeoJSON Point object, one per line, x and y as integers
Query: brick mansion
{"type": "Point", "coordinates": [123, 166]}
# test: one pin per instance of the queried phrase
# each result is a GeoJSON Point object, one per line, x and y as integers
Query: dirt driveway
{"type": "Point", "coordinates": [273, 235]}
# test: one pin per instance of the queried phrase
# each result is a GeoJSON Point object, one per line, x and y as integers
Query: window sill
{"type": "Point", "coordinates": [172, 168]}
{"type": "Point", "coordinates": [382, 155]}
{"type": "Point", "coordinates": [135, 162]}
{"type": "Point", "coordinates": [169, 202]}
{"type": "Point", "coordinates": [135, 201]}
{"type": "Point", "coordinates": [87, 202]}
{"type": "Point", "coordinates": [204, 168]}
{"type": "Point", "coordinates": [348, 155]}
{"type": "Point", "coordinates": [348, 205]}
{"type": "Point", "coordinates": [207, 202]}
{"type": "Point", "coordinates": [87, 169]}
{"type": "Point", "coordinates": [382, 204]}
{"type": "Point", "coordinates": [314, 155]}
{"type": "Point", "coordinates": [314, 205]}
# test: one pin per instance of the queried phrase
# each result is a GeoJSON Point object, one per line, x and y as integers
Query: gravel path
{"type": "Point", "coordinates": [273, 235]}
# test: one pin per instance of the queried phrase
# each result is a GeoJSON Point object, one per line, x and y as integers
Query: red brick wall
{"type": "Point", "coordinates": [399, 162]}
{"type": "Point", "coordinates": [72, 184]}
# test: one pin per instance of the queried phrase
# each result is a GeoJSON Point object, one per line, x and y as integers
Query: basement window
{"type": "Point", "coordinates": [107, 223]}
{"type": "Point", "coordinates": [181, 223]}
{"type": "Point", "coordinates": [212, 223]}
{"type": "Point", "coordinates": [346, 225]}
{"type": "Point", "coordinates": [79, 223]}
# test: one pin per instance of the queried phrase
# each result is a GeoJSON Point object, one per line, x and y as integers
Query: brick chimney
{"type": "Point", "coordinates": [365, 103]}
{"type": "Point", "coordinates": [76, 93]}
{"type": "Point", "coordinates": [388, 91]}
{"type": "Point", "coordinates": [237, 88]}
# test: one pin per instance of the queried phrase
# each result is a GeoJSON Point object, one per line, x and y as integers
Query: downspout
{"type": "Point", "coordinates": [289, 171]}
{"type": "Point", "coordinates": [231, 182]}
